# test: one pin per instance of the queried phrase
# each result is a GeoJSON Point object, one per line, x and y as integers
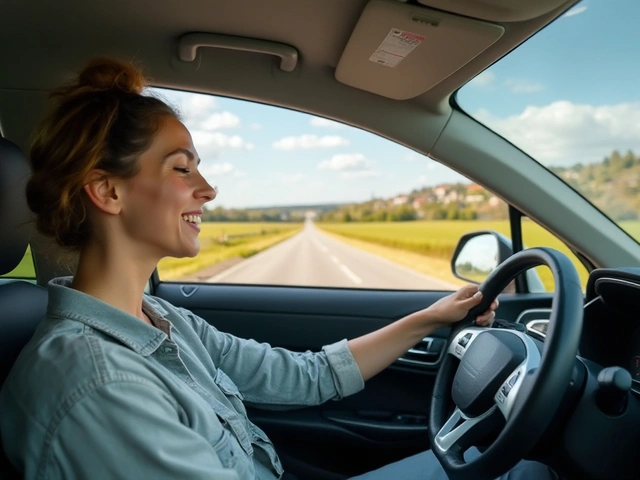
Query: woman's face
{"type": "Point", "coordinates": [164, 200]}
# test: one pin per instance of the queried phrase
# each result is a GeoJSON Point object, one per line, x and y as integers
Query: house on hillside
{"type": "Point", "coordinates": [400, 200]}
{"type": "Point", "coordinates": [474, 198]}
{"type": "Point", "coordinates": [475, 189]}
{"type": "Point", "coordinates": [451, 196]}
{"type": "Point", "coordinates": [440, 192]}
{"type": "Point", "coordinates": [419, 202]}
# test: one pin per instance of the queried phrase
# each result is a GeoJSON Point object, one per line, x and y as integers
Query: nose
{"type": "Point", "coordinates": [205, 191]}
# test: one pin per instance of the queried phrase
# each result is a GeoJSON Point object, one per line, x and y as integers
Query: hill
{"type": "Point", "coordinates": [612, 185]}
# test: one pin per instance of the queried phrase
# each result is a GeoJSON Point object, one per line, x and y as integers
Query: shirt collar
{"type": "Point", "coordinates": [67, 302]}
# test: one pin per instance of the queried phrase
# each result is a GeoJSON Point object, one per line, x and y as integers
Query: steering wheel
{"type": "Point", "coordinates": [492, 377]}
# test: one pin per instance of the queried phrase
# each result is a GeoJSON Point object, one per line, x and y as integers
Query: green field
{"type": "Point", "coordinates": [223, 241]}
{"type": "Point", "coordinates": [25, 268]}
{"type": "Point", "coordinates": [438, 239]}
{"type": "Point", "coordinates": [632, 228]}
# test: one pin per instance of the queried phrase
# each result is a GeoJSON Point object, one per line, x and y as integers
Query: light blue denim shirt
{"type": "Point", "coordinates": [99, 394]}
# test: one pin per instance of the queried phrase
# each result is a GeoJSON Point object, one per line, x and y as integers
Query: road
{"type": "Point", "coordinates": [312, 258]}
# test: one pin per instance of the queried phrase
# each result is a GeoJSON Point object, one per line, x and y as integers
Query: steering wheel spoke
{"type": "Point", "coordinates": [507, 394]}
{"type": "Point", "coordinates": [463, 340]}
{"type": "Point", "coordinates": [460, 431]}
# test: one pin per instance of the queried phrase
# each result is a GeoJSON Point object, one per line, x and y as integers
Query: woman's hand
{"type": "Point", "coordinates": [456, 306]}
{"type": "Point", "coordinates": [375, 351]}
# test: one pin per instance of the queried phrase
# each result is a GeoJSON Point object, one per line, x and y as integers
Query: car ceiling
{"type": "Point", "coordinates": [44, 42]}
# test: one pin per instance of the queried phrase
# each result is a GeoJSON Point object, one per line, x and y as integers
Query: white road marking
{"type": "Point", "coordinates": [352, 276]}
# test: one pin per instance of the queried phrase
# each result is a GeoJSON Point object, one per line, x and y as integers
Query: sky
{"type": "Point", "coordinates": [569, 94]}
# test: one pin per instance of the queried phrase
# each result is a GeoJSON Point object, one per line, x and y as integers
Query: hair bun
{"type": "Point", "coordinates": [109, 74]}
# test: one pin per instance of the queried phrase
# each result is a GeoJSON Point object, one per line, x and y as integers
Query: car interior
{"type": "Point", "coordinates": [564, 394]}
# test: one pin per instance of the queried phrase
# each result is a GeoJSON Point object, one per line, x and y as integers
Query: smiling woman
{"type": "Point", "coordinates": [115, 175]}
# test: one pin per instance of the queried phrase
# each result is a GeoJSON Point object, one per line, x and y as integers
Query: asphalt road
{"type": "Point", "coordinates": [312, 258]}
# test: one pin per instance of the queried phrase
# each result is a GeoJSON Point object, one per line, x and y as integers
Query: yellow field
{"type": "Point", "coordinates": [221, 241]}
{"type": "Point", "coordinates": [424, 246]}
{"type": "Point", "coordinates": [438, 239]}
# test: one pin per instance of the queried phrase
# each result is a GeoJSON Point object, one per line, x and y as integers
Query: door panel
{"type": "Point", "coordinates": [386, 421]}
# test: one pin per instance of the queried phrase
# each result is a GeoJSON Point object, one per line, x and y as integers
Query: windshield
{"type": "Point", "coordinates": [570, 98]}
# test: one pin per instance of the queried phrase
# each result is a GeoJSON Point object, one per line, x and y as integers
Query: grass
{"type": "Point", "coordinates": [220, 241]}
{"type": "Point", "coordinates": [435, 241]}
{"type": "Point", "coordinates": [25, 268]}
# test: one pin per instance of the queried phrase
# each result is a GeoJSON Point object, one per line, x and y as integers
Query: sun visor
{"type": "Point", "coordinates": [400, 51]}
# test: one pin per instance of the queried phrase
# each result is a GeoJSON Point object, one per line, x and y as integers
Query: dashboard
{"type": "Point", "coordinates": [597, 434]}
{"type": "Point", "coordinates": [611, 331]}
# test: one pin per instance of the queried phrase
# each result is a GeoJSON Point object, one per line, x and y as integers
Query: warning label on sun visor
{"type": "Point", "coordinates": [395, 47]}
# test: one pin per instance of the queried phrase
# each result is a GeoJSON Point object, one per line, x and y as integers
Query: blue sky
{"type": "Point", "coordinates": [569, 94]}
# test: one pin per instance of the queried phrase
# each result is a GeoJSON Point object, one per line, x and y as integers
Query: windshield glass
{"type": "Point", "coordinates": [570, 98]}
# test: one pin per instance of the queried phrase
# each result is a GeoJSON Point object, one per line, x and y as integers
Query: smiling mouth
{"type": "Point", "coordinates": [193, 219]}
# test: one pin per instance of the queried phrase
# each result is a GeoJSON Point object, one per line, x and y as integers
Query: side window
{"type": "Point", "coordinates": [310, 202]}
{"type": "Point", "coordinates": [533, 235]}
{"type": "Point", "coordinates": [25, 269]}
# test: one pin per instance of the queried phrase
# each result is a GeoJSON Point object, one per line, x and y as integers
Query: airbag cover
{"type": "Point", "coordinates": [491, 357]}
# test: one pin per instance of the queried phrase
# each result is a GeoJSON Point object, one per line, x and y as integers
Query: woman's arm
{"type": "Point", "coordinates": [377, 350]}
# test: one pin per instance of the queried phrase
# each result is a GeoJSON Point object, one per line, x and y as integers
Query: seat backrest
{"type": "Point", "coordinates": [22, 304]}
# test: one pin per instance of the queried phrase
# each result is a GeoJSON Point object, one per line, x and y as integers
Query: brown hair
{"type": "Point", "coordinates": [101, 121]}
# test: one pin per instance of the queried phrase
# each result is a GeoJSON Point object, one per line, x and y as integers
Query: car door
{"type": "Point", "coordinates": [305, 274]}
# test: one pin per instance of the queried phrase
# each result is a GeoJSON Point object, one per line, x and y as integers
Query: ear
{"type": "Point", "coordinates": [104, 191]}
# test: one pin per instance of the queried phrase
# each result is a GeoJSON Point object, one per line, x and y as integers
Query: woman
{"type": "Point", "coordinates": [119, 384]}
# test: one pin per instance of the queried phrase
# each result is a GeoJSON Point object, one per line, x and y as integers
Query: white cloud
{"type": "Point", "coordinates": [295, 178]}
{"type": "Point", "coordinates": [575, 11]}
{"type": "Point", "coordinates": [423, 179]}
{"type": "Point", "coordinates": [518, 85]}
{"type": "Point", "coordinates": [346, 161]}
{"type": "Point", "coordinates": [485, 79]}
{"type": "Point", "coordinates": [306, 142]}
{"type": "Point", "coordinates": [325, 123]}
{"type": "Point", "coordinates": [194, 108]}
{"type": "Point", "coordinates": [198, 111]}
{"type": "Point", "coordinates": [255, 126]}
{"type": "Point", "coordinates": [217, 169]}
{"type": "Point", "coordinates": [564, 133]}
{"type": "Point", "coordinates": [216, 121]}
{"type": "Point", "coordinates": [214, 142]}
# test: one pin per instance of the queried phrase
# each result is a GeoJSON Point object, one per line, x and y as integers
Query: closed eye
{"type": "Point", "coordinates": [182, 170]}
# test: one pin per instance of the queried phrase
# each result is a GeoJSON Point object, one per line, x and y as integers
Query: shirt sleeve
{"type": "Point", "coordinates": [276, 376]}
{"type": "Point", "coordinates": [132, 429]}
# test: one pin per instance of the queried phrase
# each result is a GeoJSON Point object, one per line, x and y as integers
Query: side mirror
{"type": "Point", "coordinates": [478, 254]}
